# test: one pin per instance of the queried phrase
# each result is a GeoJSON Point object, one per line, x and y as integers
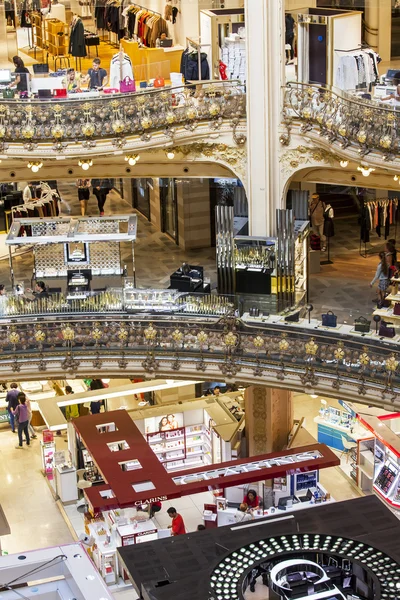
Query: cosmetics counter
{"type": "Point", "coordinates": [338, 426]}
{"type": "Point", "coordinates": [111, 529]}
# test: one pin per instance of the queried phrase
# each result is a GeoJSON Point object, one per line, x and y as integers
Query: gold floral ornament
{"type": "Point", "coordinates": [311, 348]}
{"type": "Point", "coordinates": [283, 345]}
{"type": "Point", "coordinates": [14, 337]}
{"type": "Point", "coordinates": [230, 339]}
{"type": "Point", "coordinates": [28, 131]}
{"type": "Point", "coordinates": [362, 136]}
{"type": "Point", "coordinates": [202, 337]}
{"type": "Point", "coordinates": [191, 113]}
{"type": "Point", "coordinates": [123, 334]}
{"type": "Point", "coordinates": [170, 117]}
{"type": "Point", "coordinates": [339, 354]}
{"type": "Point", "coordinates": [57, 131]}
{"type": "Point", "coordinates": [150, 333]}
{"type": "Point", "coordinates": [307, 112]}
{"type": "Point", "coordinates": [391, 117]}
{"type": "Point", "coordinates": [96, 334]}
{"type": "Point", "coordinates": [118, 126]}
{"type": "Point", "coordinates": [177, 336]}
{"type": "Point", "coordinates": [258, 342]}
{"type": "Point", "coordinates": [214, 109]}
{"type": "Point", "coordinates": [88, 129]}
{"type": "Point", "coordinates": [146, 122]}
{"type": "Point", "coordinates": [68, 334]}
{"type": "Point", "coordinates": [40, 336]}
{"type": "Point", "coordinates": [342, 130]}
{"type": "Point", "coordinates": [364, 359]}
{"type": "Point", "coordinates": [3, 131]}
{"type": "Point", "coordinates": [385, 141]}
{"type": "Point", "coordinates": [392, 364]}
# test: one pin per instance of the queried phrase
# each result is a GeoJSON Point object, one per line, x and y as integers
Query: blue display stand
{"type": "Point", "coordinates": [332, 437]}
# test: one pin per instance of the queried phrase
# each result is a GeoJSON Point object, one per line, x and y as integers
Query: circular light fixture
{"type": "Point", "coordinates": [170, 154]}
{"type": "Point", "coordinates": [35, 166]}
{"type": "Point", "coordinates": [344, 163]}
{"type": "Point", "coordinates": [85, 164]}
{"type": "Point", "coordinates": [366, 171]}
{"type": "Point", "coordinates": [132, 159]}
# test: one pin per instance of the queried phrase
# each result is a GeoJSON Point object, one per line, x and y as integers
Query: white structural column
{"type": "Point", "coordinates": [265, 26]}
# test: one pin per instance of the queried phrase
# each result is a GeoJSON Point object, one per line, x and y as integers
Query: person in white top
{"type": "Point", "coordinates": [243, 515]}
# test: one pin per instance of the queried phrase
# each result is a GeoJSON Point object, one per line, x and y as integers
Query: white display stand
{"type": "Point", "coordinates": [66, 484]}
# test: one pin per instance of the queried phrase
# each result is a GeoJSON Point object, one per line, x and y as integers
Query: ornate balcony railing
{"type": "Point", "coordinates": [80, 123]}
{"type": "Point", "coordinates": [204, 347]}
{"type": "Point", "coordinates": [362, 124]}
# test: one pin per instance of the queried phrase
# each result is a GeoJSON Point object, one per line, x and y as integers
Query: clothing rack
{"type": "Point", "coordinates": [154, 12]}
{"type": "Point", "coordinates": [377, 202]}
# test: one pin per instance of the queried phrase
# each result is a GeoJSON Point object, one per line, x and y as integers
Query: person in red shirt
{"type": "Point", "coordinates": [251, 499]}
{"type": "Point", "coordinates": [178, 526]}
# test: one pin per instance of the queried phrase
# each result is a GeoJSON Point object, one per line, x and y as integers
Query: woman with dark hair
{"type": "Point", "coordinates": [382, 276]}
{"type": "Point", "coordinates": [96, 384]}
{"type": "Point", "coordinates": [251, 499]}
{"type": "Point", "coordinates": [164, 425]}
{"type": "Point", "coordinates": [21, 80]}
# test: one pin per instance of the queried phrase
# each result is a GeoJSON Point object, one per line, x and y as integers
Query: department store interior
{"type": "Point", "coordinates": [199, 333]}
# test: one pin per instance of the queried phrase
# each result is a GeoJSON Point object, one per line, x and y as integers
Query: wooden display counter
{"type": "Point", "coordinates": [150, 63]}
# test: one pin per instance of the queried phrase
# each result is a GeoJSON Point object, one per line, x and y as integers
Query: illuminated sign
{"type": "Point", "coordinates": [148, 500]}
{"type": "Point", "coordinates": [256, 465]}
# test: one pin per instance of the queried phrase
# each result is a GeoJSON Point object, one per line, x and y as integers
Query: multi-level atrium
{"type": "Point", "coordinates": [199, 278]}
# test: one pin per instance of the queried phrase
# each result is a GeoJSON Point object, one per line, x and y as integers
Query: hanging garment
{"type": "Point", "coordinates": [77, 46]}
{"type": "Point", "coordinates": [119, 71]}
{"type": "Point", "coordinates": [329, 230]}
{"type": "Point", "coordinates": [99, 14]}
{"type": "Point", "coordinates": [192, 67]}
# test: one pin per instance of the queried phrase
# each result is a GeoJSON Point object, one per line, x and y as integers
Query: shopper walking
{"type": "Point", "coordinates": [178, 526]}
{"type": "Point", "coordinates": [71, 411]}
{"type": "Point", "coordinates": [382, 277]}
{"type": "Point", "coordinates": [96, 384]}
{"type": "Point", "coordinates": [83, 186]}
{"type": "Point", "coordinates": [28, 404]}
{"type": "Point", "coordinates": [12, 403]}
{"type": "Point", "coordinates": [289, 35]}
{"type": "Point", "coordinates": [21, 414]}
{"type": "Point", "coordinates": [101, 188]}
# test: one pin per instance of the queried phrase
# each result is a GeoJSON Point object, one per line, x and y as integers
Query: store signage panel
{"type": "Point", "coordinates": [252, 466]}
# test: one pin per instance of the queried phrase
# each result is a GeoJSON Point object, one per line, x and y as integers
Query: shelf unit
{"type": "Point", "coordinates": [39, 40]}
{"type": "Point", "coordinates": [56, 37]}
{"type": "Point", "coordinates": [92, 473]}
{"type": "Point", "coordinates": [176, 449]}
{"type": "Point", "coordinates": [387, 313]}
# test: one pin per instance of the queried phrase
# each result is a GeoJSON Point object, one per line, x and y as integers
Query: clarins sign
{"type": "Point", "coordinates": [249, 467]}
{"type": "Point", "coordinates": [150, 500]}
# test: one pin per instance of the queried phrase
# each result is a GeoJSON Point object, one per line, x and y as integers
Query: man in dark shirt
{"type": "Point", "coordinates": [12, 403]}
{"type": "Point", "coordinates": [96, 75]}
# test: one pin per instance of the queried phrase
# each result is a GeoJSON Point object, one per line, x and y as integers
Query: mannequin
{"type": "Point", "coordinates": [77, 46]}
{"type": "Point", "coordinates": [317, 209]}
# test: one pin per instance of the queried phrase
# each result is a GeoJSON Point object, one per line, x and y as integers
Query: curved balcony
{"type": "Point", "coordinates": [109, 122]}
{"type": "Point", "coordinates": [364, 126]}
{"type": "Point", "coordinates": [114, 342]}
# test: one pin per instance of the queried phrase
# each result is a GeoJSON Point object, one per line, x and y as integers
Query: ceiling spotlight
{"type": "Point", "coordinates": [366, 171]}
{"type": "Point", "coordinates": [170, 154]}
{"type": "Point", "coordinates": [35, 166]}
{"type": "Point", "coordinates": [344, 163]}
{"type": "Point", "coordinates": [132, 159]}
{"type": "Point", "coordinates": [396, 177]}
{"type": "Point", "coordinates": [85, 164]}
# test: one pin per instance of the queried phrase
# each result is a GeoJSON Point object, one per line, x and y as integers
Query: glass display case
{"type": "Point", "coordinates": [137, 300]}
{"type": "Point", "coordinates": [254, 264]}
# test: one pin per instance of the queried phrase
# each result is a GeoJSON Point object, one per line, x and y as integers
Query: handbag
{"type": "Point", "coordinates": [127, 85]}
{"type": "Point", "coordinates": [396, 309]}
{"type": "Point", "coordinates": [362, 325]}
{"type": "Point", "coordinates": [385, 331]}
{"type": "Point", "coordinates": [384, 303]}
{"type": "Point", "coordinates": [7, 93]}
{"type": "Point", "coordinates": [315, 242]}
{"type": "Point", "coordinates": [159, 82]}
{"type": "Point", "coordinates": [329, 319]}
{"type": "Point", "coordinates": [294, 318]}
